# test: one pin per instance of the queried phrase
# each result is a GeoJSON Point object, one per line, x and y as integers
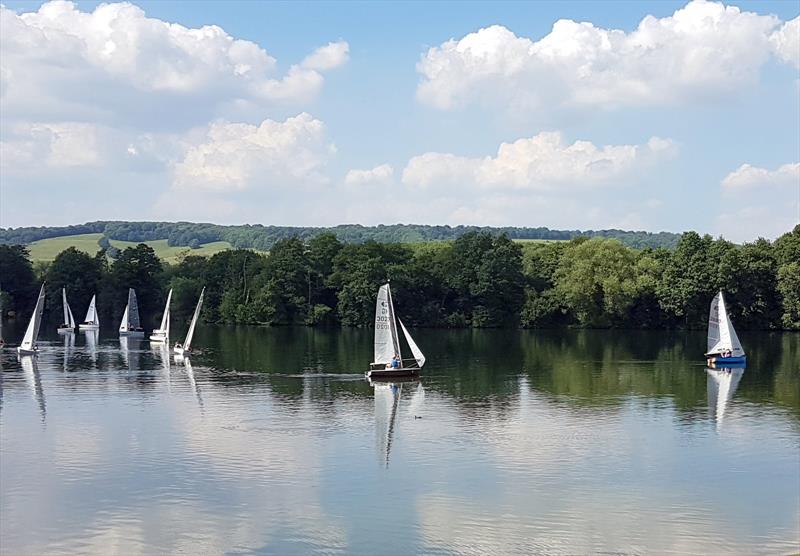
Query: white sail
{"type": "Point", "coordinates": [71, 321]}
{"type": "Point", "coordinates": [721, 334]}
{"type": "Point", "coordinates": [123, 325]}
{"type": "Point", "coordinates": [386, 341]}
{"type": "Point", "coordinates": [133, 311]}
{"type": "Point", "coordinates": [91, 313]}
{"type": "Point", "coordinates": [64, 306]}
{"type": "Point", "coordinates": [418, 355]}
{"type": "Point", "coordinates": [188, 342]}
{"type": "Point", "coordinates": [164, 328]}
{"type": "Point", "coordinates": [32, 332]}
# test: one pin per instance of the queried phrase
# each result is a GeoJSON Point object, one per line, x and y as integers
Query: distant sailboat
{"type": "Point", "coordinates": [724, 348]}
{"type": "Point", "coordinates": [68, 326]}
{"type": "Point", "coordinates": [130, 325]}
{"type": "Point", "coordinates": [388, 361]}
{"type": "Point", "coordinates": [92, 321]}
{"type": "Point", "coordinates": [2, 314]}
{"type": "Point", "coordinates": [161, 334]}
{"type": "Point", "coordinates": [28, 346]}
{"type": "Point", "coordinates": [186, 348]}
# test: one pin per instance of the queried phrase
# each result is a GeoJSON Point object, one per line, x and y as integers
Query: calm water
{"type": "Point", "coordinates": [271, 442]}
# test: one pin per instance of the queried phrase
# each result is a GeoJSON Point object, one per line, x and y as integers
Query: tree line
{"type": "Point", "coordinates": [478, 280]}
{"type": "Point", "coordinates": [262, 238]}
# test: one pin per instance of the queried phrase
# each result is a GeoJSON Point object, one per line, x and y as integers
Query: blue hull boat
{"type": "Point", "coordinates": [727, 361]}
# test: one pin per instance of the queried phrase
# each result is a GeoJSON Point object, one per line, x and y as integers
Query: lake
{"type": "Point", "coordinates": [514, 442]}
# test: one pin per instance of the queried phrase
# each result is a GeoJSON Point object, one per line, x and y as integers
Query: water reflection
{"type": "Point", "coordinates": [522, 443]}
{"type": "Point", "coordinates": [722, 384]}
{"type": "Point", "coordinates": [31, 370]}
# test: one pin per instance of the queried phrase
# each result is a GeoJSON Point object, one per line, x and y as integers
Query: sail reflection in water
{"type": "Point", "coordinates": [722, 384]}
{"type": "Point", "coordinates": [31, 371]}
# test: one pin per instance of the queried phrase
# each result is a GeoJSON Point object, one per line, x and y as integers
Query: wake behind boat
{"type": "Point", "coordinates": [388, 362]}
{"type": "Point", "coordinates": [724, 348]}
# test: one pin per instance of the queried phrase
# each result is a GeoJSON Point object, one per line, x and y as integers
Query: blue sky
{"type": "Point", "coordinates": [690, 123]}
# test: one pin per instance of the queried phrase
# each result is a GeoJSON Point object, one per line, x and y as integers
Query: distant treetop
{"type": "Point", "coordinates": [264, 237]}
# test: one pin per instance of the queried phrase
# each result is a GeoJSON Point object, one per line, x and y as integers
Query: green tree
{"type": "Point", "coordinates": [138, 268]}
{"type": "Point", "coordinates": [597, 280]}
{"type": "Point", "coordinates": [789, 288]}
{"type": "Point", "coordinates": [80, 274]}
{"type": "Point", "coordinates": [17, 279]}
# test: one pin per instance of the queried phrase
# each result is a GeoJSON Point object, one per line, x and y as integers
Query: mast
{"type": "Point", "coordinates": [64, 305]}
{"type": "Point", "coordinates": [165, 318]}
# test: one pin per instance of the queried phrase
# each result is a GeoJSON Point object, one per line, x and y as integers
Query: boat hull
{"type": "Point", "coordinates": [727, 361]}
{"type": "Point", "coordinates": [22, 351]}
{"type": "Point", "coordinates": [66, 330]}
{"type": "Point", "coordinates": [389, 374]}
{"type": "Point", "coordinates": [159, 338]}
{"type": "Point", "coordinates": [88, 327]}
{"type": "Point", "coordinates": [133, 334]}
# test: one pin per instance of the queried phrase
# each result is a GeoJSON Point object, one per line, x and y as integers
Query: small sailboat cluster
{"type": "Point", "coordinates": [130, 326]}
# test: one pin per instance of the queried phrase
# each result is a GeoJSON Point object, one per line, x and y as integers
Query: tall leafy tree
{"type": "Point", "coordinates": [80, 274]}
{"type": "Point", "coordinates": [138, 268]}
{"type": "Point", "coordinates": [17, 279]}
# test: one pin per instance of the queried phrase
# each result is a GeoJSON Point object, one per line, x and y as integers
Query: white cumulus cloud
{"type": "Point", "coordinates": [117, 64]}
{"type": "Point", "coordinates": [757, 202]}
{"type": "Point", "coordinates": [237, 156]}
{"type": "Point", "coordinates": [379, 174]}
{"type": "Point", "coordinates": [541, 162]}
{"type": "Point", "coordinates": [747, 176]}
{"type": "Point", "coordinates": [705, 48]}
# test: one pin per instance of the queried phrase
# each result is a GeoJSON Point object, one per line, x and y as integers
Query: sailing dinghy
{"type": "Point", "coordinates": [68, 326]}
{"type": "Point", "coordinates": [92, 321]}
{"type": "Point", "coordinates": [161, 334]}
{"type": "Point", "coordinates": [2, 314]}
{"type": "Point", "coordinates": [130, 325]}
{"type": "Point", "coordinates": [186, 348]}
{"type": "Point", "coordinates": [388, 361]}
{"type": "Point", "coordinates": [724, 348]}
{"type": "Point", "coordinates": [28, 345]}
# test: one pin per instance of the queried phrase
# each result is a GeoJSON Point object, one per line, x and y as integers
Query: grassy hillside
{"type": "Point", "coordinates": [172, 254]}
{"type": "Point", "coordinates": [47, 249]}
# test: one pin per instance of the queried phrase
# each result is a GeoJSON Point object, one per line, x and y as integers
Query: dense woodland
{"type": "Point", "coordinates": [262, 238]}
{"type": "Point", "coordinates": [478, 280]}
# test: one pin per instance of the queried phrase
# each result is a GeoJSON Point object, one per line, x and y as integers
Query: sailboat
{"type": "Point", "coordinates": [68, 327]}
{"type": "Point", "coordinates": [28, 346]}
{"type": "Point", "coordinates": [186, 348]}
{"type": "Point", "coordinates": [724, 348]}
{"type": "Point", "coordinates": [130, 325]}
{"type": "Point", "coordinates": [92, 321]}
{"type": "Point", "coordinates": [388, 361]}
{"type": "Point", "coordinates": [161, 334]}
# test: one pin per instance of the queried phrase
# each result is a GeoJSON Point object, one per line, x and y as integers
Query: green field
{"type": "Point", "coordinates": [46, 249]}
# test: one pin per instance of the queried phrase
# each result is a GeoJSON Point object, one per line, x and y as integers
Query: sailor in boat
{"type": "Point", "coordinates": [394, 363]}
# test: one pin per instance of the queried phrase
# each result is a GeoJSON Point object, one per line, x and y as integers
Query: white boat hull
{"type": "Point", "coordinates": [67, 330]}
{"type": "Point", "coordinates": [178, 350]}
{"type": "Point", "coordinates": [160, 338]}
{"type": "Point", "coordinates": [88, 327]}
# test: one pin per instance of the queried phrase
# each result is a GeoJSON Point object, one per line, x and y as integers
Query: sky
{"type": "Point", "coordinates": [575, 115]}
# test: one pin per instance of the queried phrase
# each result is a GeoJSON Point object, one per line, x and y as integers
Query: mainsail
{"type": "Point", "coordinates": [386, 342]}
{"type": "Point", "coordinates": [721, 334]}
{"type": "Point", "coordinates": [188, 342]}
{"type": "Point", "coordinates": [165, 319]}
{"type": "Point", "coordinates": [68, 318]}
{"type": "Point", "coordinates": [133, 311]}
{"type": "Point", "coordinates": [91, 314]}
{"type": "Point", "coordinates": [32, 332]}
